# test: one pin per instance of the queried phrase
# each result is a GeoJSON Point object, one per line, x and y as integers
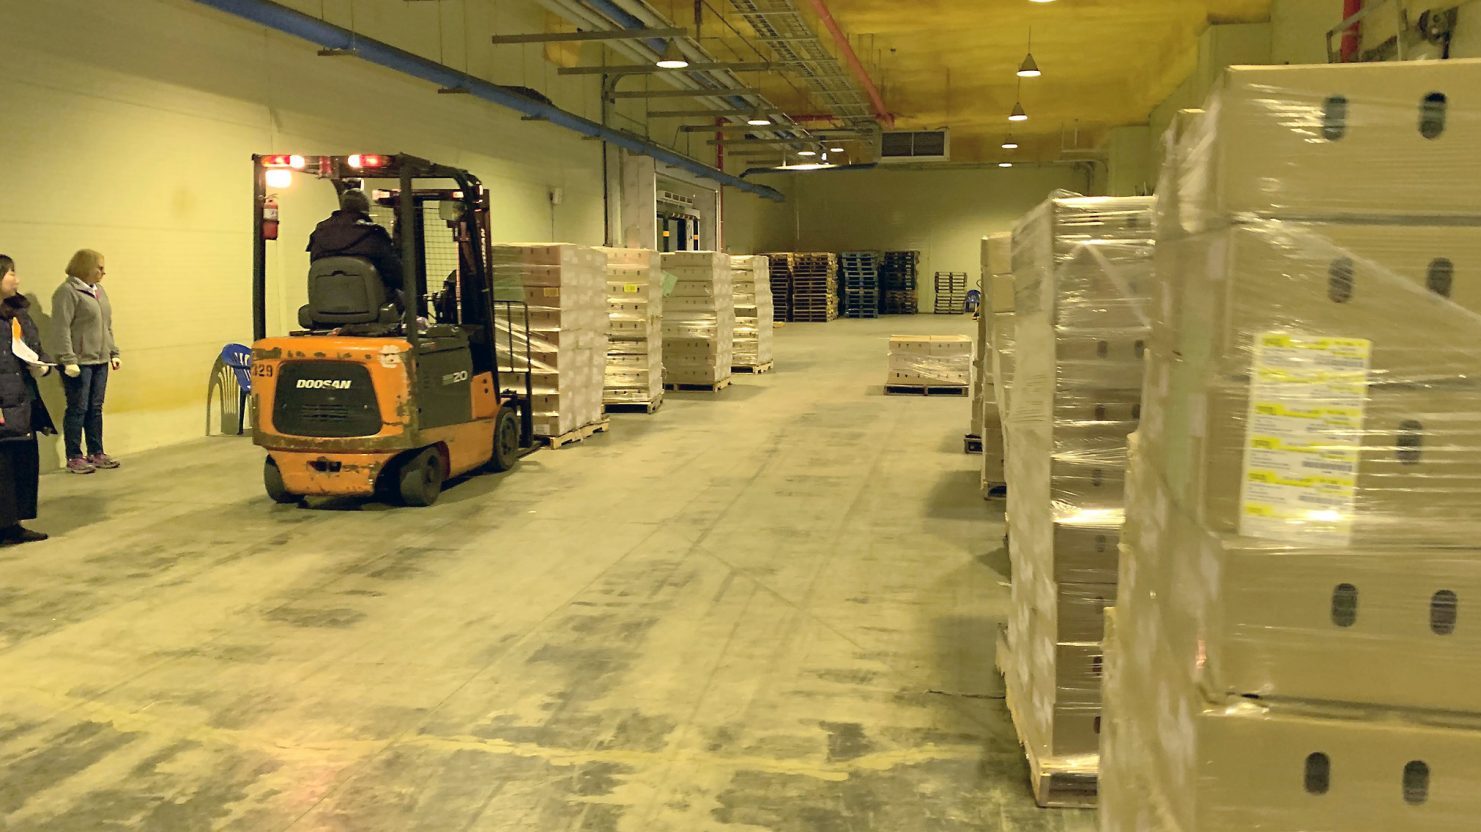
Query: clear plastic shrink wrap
{"type": "Point", "coordinates": [634, 371]}
{"type": "Point", "coordinates": [929, 361]}
{"type": "Point", "coordinates": [1294, 646]}
{"type": "Point", "coordinates": [698, 318]}
{"type": "Point", "coordinates": [1082, 269]}
{"type": "Point", "coordinates": [563, 286]}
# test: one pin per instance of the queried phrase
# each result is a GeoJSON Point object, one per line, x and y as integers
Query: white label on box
{"type": "Point", "coordinates": [1308, 395]}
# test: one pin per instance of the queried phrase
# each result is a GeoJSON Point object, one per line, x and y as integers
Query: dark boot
{"type": "Point", "coordinates": [20, 534]}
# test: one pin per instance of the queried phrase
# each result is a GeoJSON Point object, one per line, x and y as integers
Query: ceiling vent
{"type": "Point", "coordinates": [915, 146]}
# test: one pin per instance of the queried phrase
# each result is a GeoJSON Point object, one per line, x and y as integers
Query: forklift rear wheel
{"type": "Point", "coordinates": [420, 478]}
{"type": "Point", "coordinates": [506, 441]}
{"type": "Point", "coordinates": [272, 481]}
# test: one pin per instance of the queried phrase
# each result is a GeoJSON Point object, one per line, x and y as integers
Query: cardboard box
{"type": "Point", "coordinates": [1284, 141]}
{"type": "Point", "coordinates": [997, 253]}
{"type": "Point", "coordinates": [1000, 294]}
{"type": "Point", "coordinates": [1089, 363]}
{"type": "Point", "coordinates": [1412, 291]}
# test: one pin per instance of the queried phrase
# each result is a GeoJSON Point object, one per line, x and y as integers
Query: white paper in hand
{"type": "Point", "coordinates": [26, 354]}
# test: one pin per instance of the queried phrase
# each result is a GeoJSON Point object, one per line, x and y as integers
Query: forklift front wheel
{"type": "Point", "coordinates": [420, 478]}
{"type": "Point", "coordinates": [272, 481]}
{"type": "Point", "coordinates": [506, 440]}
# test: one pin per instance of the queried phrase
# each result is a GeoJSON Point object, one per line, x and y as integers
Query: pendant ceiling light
{"type": "Point", "coordinates": [1018, 114]}
{"type": "Point", "coordinates": [672, 58]}
{"type": "Point", "coordinates": [1030, 67]}
{"type": "Point", "coordinates": [759, 119]}
{"type": "Point", "coordinates": [1010, 144]}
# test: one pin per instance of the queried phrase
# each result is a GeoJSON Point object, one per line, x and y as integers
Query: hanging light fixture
{"type": "Point", "coordinates": [1030, 67]}
{"type": "Point", "coordinates": [1018, 114]}
{"type": "Point", "coordinates": [1005, 164]}
{"type": "Point", "coordinates": [807, 153]}
{"type": "Point", "coordinates": [1010, 144]}
{"type": "Point", "coordinates": [672, 58]}
{"type": "Point", "coordinates": [835, 150]}
{"type": "Point", "coordinates": [759, 119]}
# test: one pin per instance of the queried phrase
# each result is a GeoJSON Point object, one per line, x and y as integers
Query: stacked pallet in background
{"type": "Point", "coordinates": [951, 293]}
{"type": "Point", "coordinates": [634, 375]}
{"type": "Point", "coordinates": [987, 415]}
{"type": "Point", "coordinates": [754, 313]}
{"type": "Point", "coordinates": [814, 287]}
{"type": "Point", "coordinates": [1082, 270]}
{"type": "Point", "coordinates": [897, 277]}
{"type": "Point", "coordinates": [565, 288]}
{"type": "Point", "coordinates": [698, 321]}
{"type": "Point", "coordinates": [781, 283]}
{"type": "Point", "coordinates": [859, 277]}
{"type": "Point", "coordinates": [939, 365]}
{"type": "Point", "coordinates": [1295, 643]}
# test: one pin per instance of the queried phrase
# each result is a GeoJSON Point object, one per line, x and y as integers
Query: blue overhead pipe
{"type": "Point", "coordinates": [329, 36]}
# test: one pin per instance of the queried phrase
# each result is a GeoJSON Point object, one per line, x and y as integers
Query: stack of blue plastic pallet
{"type": "Point", "coordinates": [858, 273]}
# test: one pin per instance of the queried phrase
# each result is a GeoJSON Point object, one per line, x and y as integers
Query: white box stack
{"type": "Point", "coordinates": [564, 286]}
{"type": "Point", "coordinates": [994, 317]}
{"type": "Point", "coordinates": [1082, 281]}
{"type": "Point", "coordinates": [755, 312]}
{"type": "Point", "coordinates": [918, 363]}
{"type": "Point", "coordinates": [1291, 648]}
{"type": "Point", "coordinates": [634, 373]}
{"type": "Point", "coordinates": [698, 319]}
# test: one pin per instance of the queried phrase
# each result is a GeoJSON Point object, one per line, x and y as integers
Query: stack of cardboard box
{"type": "Point", "coordinates": [564, 287]}
{"type": "Point", "coordinates": [634, 372]}
{"type": "Point", "coordinates": [921, 362]}
{"type": "Point", "coordinates": [698, 319]}
{"type": "Point", "coordinates": [1291, 648]}
{"type": "Point", "coordinates": [1082, 270]}
{"type": "Point", "coordinates": [754, 311]}
{"type": "Point", "coordinates": [987, 413]}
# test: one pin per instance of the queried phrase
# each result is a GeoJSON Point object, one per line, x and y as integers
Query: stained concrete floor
{"type": "Point", "coordinates": [767, 609]}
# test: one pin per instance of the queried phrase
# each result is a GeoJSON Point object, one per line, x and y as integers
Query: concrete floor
{"type": "Point", "coordinates": [767, 609]}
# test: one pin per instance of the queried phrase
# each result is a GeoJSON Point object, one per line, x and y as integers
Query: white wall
{"type": "Point", "coordinates": [129, 129]}
{"type": "Point", "coordinates": [943, 212]}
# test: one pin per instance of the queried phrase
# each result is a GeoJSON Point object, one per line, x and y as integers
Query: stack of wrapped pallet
{"type": "Point", "coordinates": [1295, 646]}
{"type": "Point", "coordinates": [927, 364]}
{"type": "Point", "coordinates": [698, 320]}
{"type": "Point", "coordinates": [564, 287]}
{"type": "Point", "coordinates": [635, 328]}
{"type": "Point", "coordinates": [987, 415]}
{"type": "Point", "coordinates": [1082, 267]}
{"type": "Point", "coordinates": [754, 312]}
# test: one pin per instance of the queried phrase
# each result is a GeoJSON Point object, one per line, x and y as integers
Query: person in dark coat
{"type": "Point", "coordinates": [350, 232]}
{"type": "Point", "coordinates": [22, 413]}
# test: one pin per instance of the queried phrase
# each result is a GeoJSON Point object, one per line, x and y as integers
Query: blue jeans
{"type": "Point", "coordinates": [85, 409]}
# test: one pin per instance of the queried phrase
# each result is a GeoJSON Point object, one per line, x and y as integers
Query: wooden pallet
{"type": "Point", "coordinates": [699, 388]}
{"type": "Point", "coordinates": [633, 407]}
{"type": "Point", "coordinates": [580, 434]}
{"type": "Point", "coordinates": [1057, 783]}
{"type": "Point", "coordinates": [925, 390]}
{"type": "Point", "coordinates": [756, 369]}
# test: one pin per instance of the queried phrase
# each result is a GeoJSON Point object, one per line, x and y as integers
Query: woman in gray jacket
{"type": "Point", "coordinates": [83, 318]}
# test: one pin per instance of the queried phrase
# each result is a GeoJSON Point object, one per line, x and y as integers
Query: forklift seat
{"type": "Point", "coordinates": [346, 290]}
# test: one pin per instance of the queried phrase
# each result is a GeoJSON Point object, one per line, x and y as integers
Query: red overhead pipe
{"type": "Point", "coordinates": [1352, 36]}
{"type": "Point", "coordinates": [881, 113]}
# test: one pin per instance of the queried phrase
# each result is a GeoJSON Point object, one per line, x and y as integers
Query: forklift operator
{"type": "Point", "coordinates": [350, 232]}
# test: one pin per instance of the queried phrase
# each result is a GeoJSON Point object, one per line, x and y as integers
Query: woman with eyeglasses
{"type": "Point", "coordinates": [83, 320]}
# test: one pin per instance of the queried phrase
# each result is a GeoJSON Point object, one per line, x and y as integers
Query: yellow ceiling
{"type": "Point", "coordinates": [952, 63]}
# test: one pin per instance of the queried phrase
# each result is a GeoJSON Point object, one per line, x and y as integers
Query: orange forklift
{"type": "Point", "coordinates": [369, 398]}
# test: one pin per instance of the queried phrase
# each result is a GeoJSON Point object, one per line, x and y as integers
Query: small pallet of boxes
{"type": "Point", "coordinates": [564, 287]}
{"type": "Point", "coordinates": [987, 416]}
{"type": "Point", "coordinates": [929, 365]}
{"type": "Point", "coordinates": [698, 321]}
{"type": "Point", "coordinates": [634, 373]}
{"type": "Point", "coordinates": [754, 313]}
{"type": "Point", "coordinates": [1295, 644]}
{"type": "Point", "coordinates": [1083, 269]}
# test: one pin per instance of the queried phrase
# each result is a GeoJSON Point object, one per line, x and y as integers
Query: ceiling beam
{"type": "Point", "coordinates": [647, 69]}
{"type": "Point", "coordinates": [566, 37]}
{"type": "Point", "coordinates": [696, 113]}
{"type": "Point", "coordinates": [684, 93]}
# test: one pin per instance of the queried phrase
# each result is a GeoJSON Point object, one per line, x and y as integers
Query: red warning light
{"type": "Point", "coordinates": [283, 160]}
{"type": "Point", "coordinates": [366, 160]}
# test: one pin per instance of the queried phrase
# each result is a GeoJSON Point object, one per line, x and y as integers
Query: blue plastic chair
{"type": "Point", "coordinates": [237, 359]}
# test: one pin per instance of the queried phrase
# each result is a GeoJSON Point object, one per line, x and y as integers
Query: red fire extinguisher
{"type": "Point", "coordinates": [270, 218]}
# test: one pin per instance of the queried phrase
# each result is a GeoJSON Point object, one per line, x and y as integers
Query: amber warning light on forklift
{"type": "Point", "coordinates": [284, 161]}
